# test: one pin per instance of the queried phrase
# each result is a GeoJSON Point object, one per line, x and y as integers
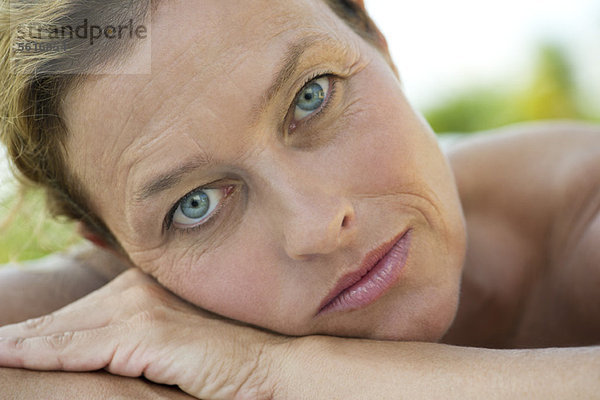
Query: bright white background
{"type": "Point", "coordinates": [441, 46]}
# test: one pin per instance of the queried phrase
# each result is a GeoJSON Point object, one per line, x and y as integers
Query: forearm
{"type": "Point", "coordinates": [23, 384]}
{"type": "Point", "coordinates": [325, 368]}
{"type": "Point", "coordinates": [122, 328]}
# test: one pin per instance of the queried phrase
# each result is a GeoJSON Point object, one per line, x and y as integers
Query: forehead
{"type": "Point", "coordinates": [210, 59]}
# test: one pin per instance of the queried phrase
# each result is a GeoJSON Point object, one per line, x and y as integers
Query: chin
{"type": "Point", "coordinates": [430, 326]}
{"type": "Point", "coordinates": [421, 316]}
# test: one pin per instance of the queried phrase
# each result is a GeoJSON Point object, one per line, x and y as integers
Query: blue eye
{"type": "Point", "coordinates": [311, 98]}
{"type": "Point", "coordinates": [197, 207]}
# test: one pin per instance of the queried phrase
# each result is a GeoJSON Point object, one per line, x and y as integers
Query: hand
{"type": "Point", "coordinates": [133, 327]}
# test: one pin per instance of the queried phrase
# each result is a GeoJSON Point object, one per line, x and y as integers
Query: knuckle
{"type": "Point", "coordinates": [59, 341]}
{"type": "Point", "coordinates": [142, 321]}
{"type": "Point", "coordinates": [141, 303]}
{"type": "Point", "coordinates": [145, 317]}
{"type": "Point", "coordinates": [17, 343]}
{"type": "Point", "coordinates": [151, 316]}
{"type": "Point", "coordinates": [36, 324]}
{"type": "Point", "coordinates": [154, 320]}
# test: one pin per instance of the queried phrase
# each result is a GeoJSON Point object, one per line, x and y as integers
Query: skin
{"type": "Point", "coordinates": [531, 274]}
{"type": "Point", "coordinates": [307, 206]}
{"type": "Point", "coordinates": [529, 278]}
{"type": "Point", "coordinates": [60, 386]}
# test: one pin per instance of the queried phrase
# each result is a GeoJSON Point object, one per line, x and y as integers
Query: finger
{"type": "Point", "coordinates": [110, 303]}
{"type": "Point", "coordinates": [122, 349]}
{"type": "Point", "coordinates": [92, 311]}
{"type": "Point", "coordinates": [60, 352]}
{"type": "Point", "coordinates": [80, 318]}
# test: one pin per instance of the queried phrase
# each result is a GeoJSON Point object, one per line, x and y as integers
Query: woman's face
{"type": "Point", "coordinates": [264, 160]}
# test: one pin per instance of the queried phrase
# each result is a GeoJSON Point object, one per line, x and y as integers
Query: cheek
{"type": "Point", "coordinates": [236, 279]}
{"type": "Point", "coordinates": [388, 144]}
{"type": "Point", "coordinates": [395, 152]}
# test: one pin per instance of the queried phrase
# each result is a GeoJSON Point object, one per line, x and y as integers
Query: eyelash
{"type": "Point", "coordinates": [229, 190]}
{"type": "Point", "coordinates": [293, 125]}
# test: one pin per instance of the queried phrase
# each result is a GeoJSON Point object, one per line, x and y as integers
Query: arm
{"type": "Point", "coordinates": [22, 384]}
{"type": "Point", "coordinates": [327, 368]}
{"type": "Point", "coordinates": [155, 334]}
{"type": "Point", "coordinates": [42, 286]}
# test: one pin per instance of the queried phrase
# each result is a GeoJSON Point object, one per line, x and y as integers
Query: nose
{"type": "Point", "coordinates": [317, 224]}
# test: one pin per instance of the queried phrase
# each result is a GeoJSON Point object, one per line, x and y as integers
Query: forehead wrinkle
{"type": "Point", "coordinates": [183, 56]}
{"type": "Point", "coordinates": [82, 117]}
{"type": "Point", "coordinates": [146, 153]}
{"type": "Point", "coordinates": [159, 126]}
{"type": "Point", "coordinates": [151, 139]}
{"type": "Point", "coordinates": [163, 91]}
{"type": "Point", "coordinates": [156, 120]}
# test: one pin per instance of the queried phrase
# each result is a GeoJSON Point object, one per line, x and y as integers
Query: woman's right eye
{"type": "Point", "coordinates": [197, 207]}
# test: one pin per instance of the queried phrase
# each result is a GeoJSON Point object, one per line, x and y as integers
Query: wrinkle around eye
{"type": "Point", "coordinates": [324, 130]}
{"type": "Point", "coordinates": [189, 257]}
{"type": "Point", "coordinates": [146, 259]}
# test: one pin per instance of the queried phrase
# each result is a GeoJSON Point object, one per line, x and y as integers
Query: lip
{"type": "Point", "coordinates": [378, 272]}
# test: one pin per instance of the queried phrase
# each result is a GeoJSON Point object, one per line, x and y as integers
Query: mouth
{"type": "Point", "coordinates": [378, 272]}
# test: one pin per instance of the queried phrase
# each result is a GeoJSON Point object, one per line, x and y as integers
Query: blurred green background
{"type": "Point", "coordinates": [26, 231]}
{"type": "Point", "coordinates": [551, 93]}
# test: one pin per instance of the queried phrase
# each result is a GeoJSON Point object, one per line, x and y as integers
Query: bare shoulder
{"type": "Point", "coordinates": [540, 157]}
{"type": "Point", "coordinates": [39, 287]}
{"type": "Point", "coordinates": [531, 195]}
{"type": "Point", "coordinates": [545, 177]}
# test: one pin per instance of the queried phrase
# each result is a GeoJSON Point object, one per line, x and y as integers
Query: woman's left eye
{"type": "Point", "coordinates": [196, 207]}
{"type": "Point", "coordinates": [311, 98]}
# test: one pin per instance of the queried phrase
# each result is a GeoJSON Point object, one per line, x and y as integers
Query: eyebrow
{"type": "Point", "coordinates": [170, 179]}
{"type": "Point", "coordinates": [288, 66]}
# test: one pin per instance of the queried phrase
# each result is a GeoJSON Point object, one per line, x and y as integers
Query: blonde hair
{"type": "Point", "coordinates": [33, 86]}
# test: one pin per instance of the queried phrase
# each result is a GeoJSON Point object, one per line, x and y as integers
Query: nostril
{"type": "Point", "coordinates": [346, 221]}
